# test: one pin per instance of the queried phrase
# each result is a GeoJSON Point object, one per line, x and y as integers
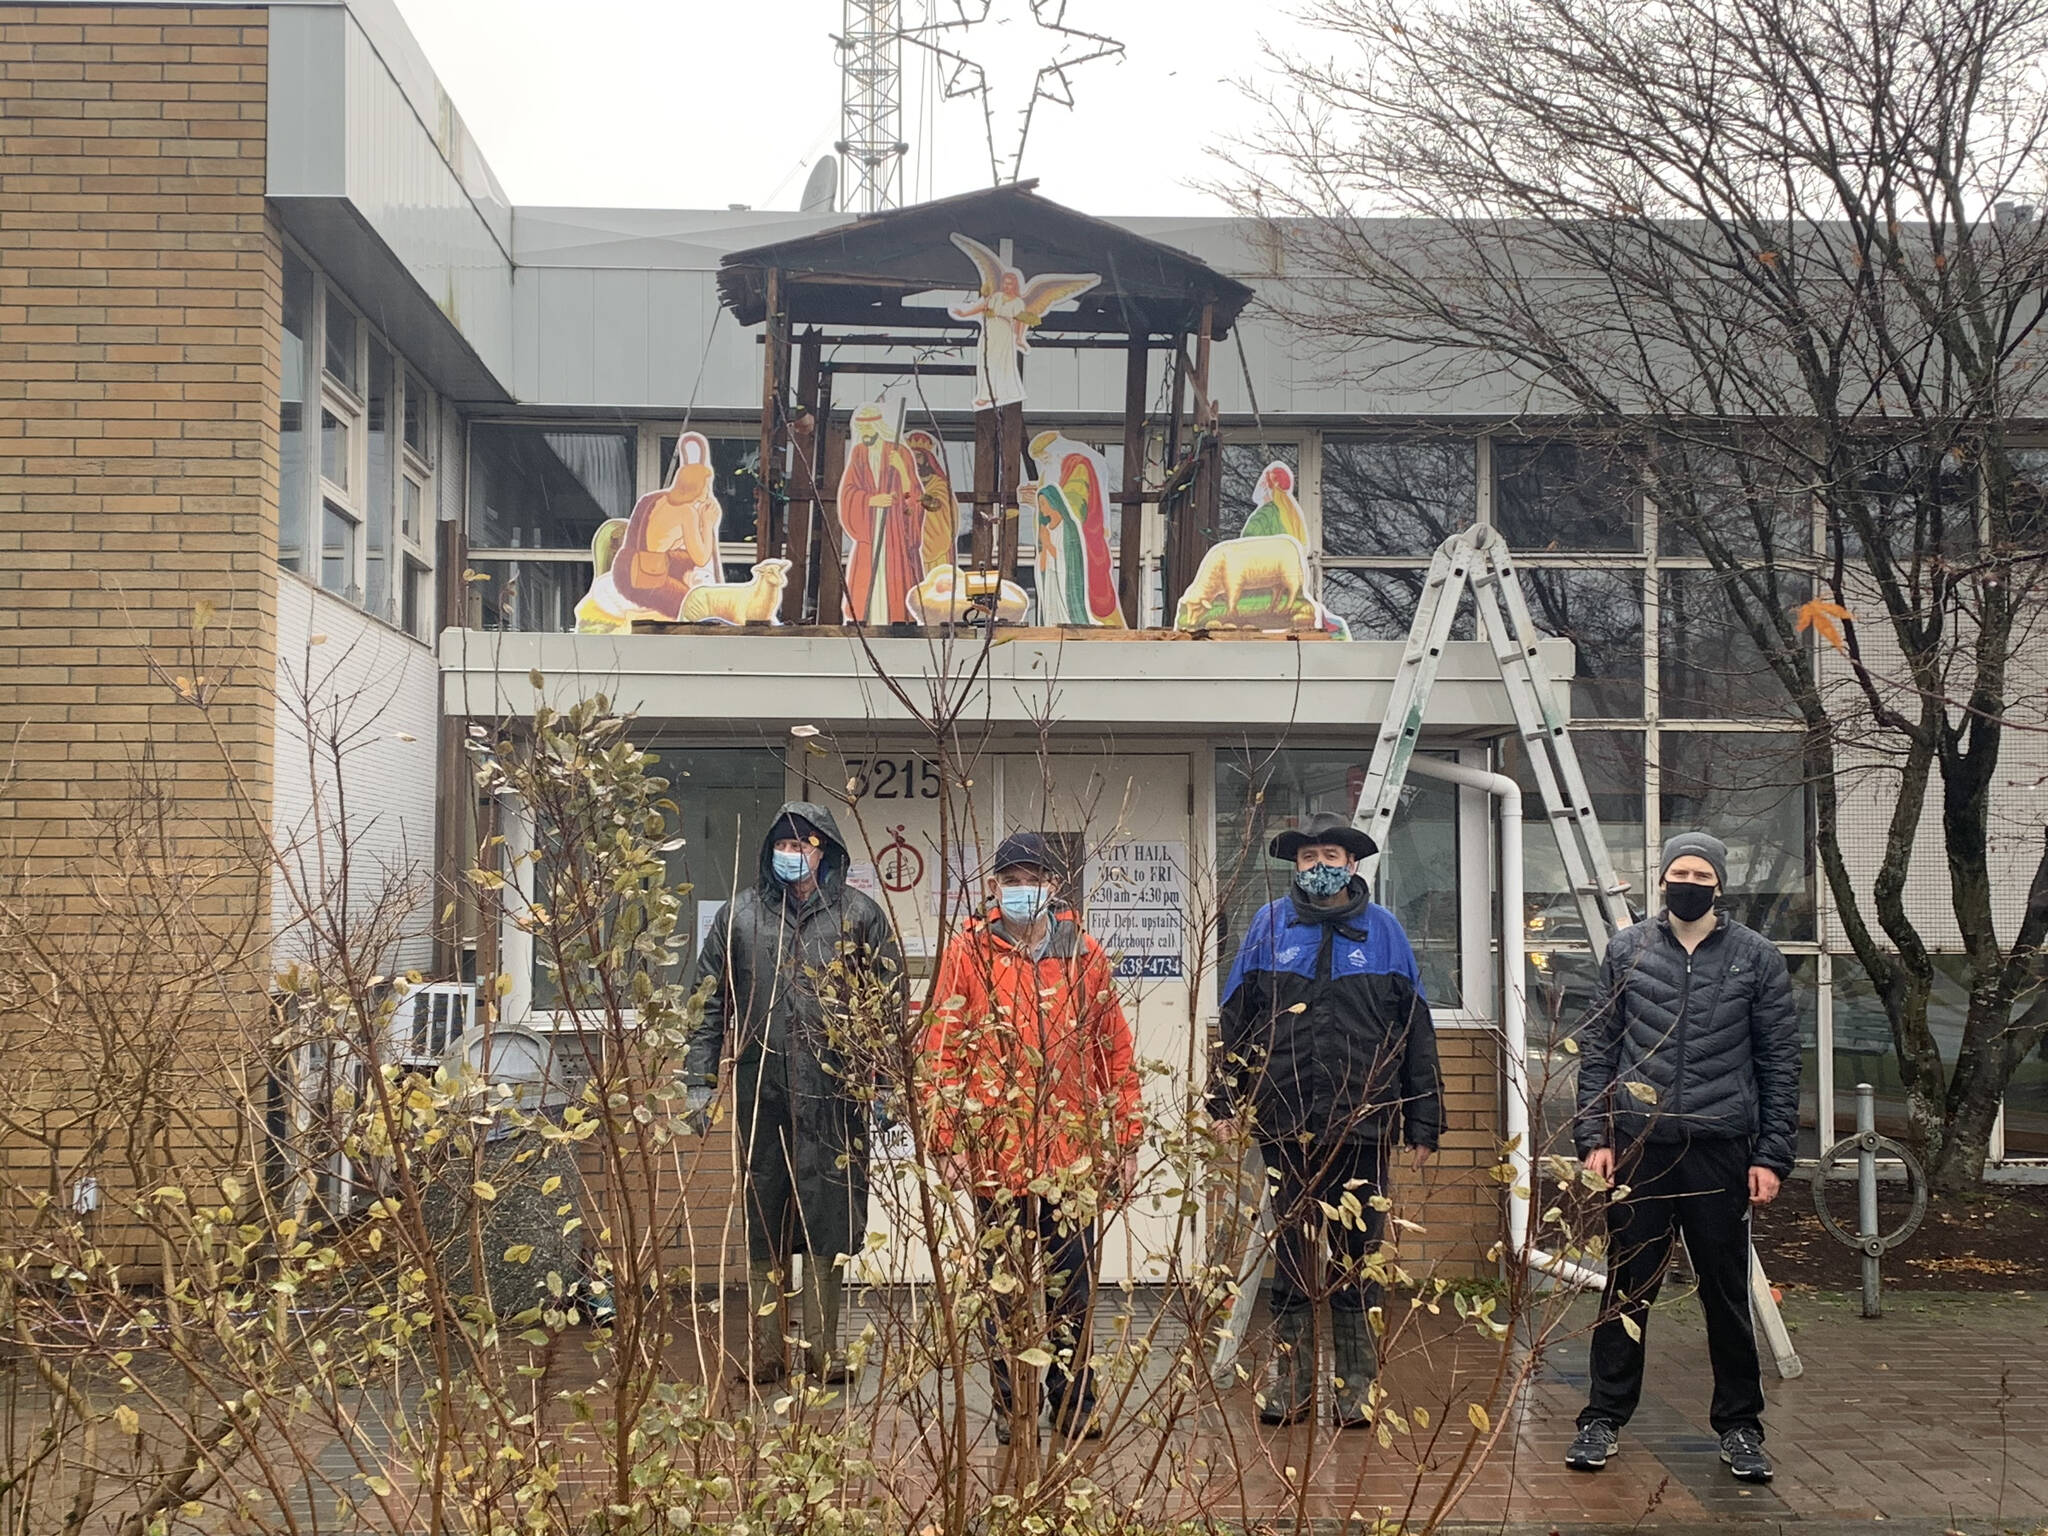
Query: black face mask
{"type": "Point", "coordinates": [1688, 901]}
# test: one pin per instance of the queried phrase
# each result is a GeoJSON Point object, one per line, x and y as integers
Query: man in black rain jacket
{"type": "Point", "coordinates": [1688, 1096]}
{"type": "Point", "coordinates": [784, 960]}
{"type": "Point", "coordinates": [1329, 1046]}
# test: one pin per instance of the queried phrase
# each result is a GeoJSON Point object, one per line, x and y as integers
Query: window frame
{"type": "Point", "coordinates": [409, 556]}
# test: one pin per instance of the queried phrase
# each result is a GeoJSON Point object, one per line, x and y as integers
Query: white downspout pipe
{"type": "Point", "coordinates": [1514, 1018]}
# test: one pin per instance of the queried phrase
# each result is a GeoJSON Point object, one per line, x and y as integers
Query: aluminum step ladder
{"type": "Point", "coordinates": [1478, 559]}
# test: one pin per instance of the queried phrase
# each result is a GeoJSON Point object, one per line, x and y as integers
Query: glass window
{"type": "Point", "coordinates": [1751, 507]}
{"type": "Point", "coordinates": [294, 488]}
{"type": "Point", "coordinates": [530, 595]}
{"type": "Point", "coordinates": [340, 536]}
{"type": "Point", "coordinates": [1601, 613]}
{"type": "Point", "coordinates": [1923, 503]}
{"type": "Point", "coordinates": [1562, 985]}
{"type": "Point", "coordinates": [1382, 497]}
{"type": "Point", "coordinates": [334, 448]}
{"type": "Point", "coordinates": [725, 799]}
{"type": "Point", "coordinates": [341, 341]}
{"type": "Point", "coordinates": [1709, 664]}
{"type": "Point", "coordinates": [1612, 763]}
{"type": "Point", "coordinates": [416, 601]}
{"type": "Point", "coordinates": [1242, 489]}
{"type": "Point", "coordinates": [547, 487]}
{"type": "Point", "coordinates": [411, 509]}
{"type": "Point", "coordinates": [1747, 788]}
{"type": "Point", "coordinates": [377, 533]}
{"type": "Point", "coordinates": [1260, 795]}
{"type": "Point", "coordinates": [418, 421]}
{"type": "Point", "coordinates": [1566, 496]}
{"type": "Point", "coordinates": [735, 481]}
{"type": "Point", "coordinates": [1864, 1048]}
{"type": "Point", "coordinates": [2026, 1096]}
{"type": "Point", "coordinates": [1380, 605]}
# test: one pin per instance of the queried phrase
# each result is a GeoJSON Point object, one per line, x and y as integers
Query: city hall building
{"type": "Point", "coordinates": [273, 338]}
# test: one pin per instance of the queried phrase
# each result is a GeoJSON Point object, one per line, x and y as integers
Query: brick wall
{"type": "Point", "coordinates": [139, 345]}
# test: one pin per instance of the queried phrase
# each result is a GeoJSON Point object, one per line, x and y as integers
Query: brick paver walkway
{"type": "Point", "coordinates": [1935, 1416]}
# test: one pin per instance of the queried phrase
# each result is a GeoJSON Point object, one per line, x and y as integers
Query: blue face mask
{"type": "Point", "coordinates": [1321, 880]}
{"type": "Point", "coordinates": [791, 866]}
{"type": "Point", "coordinates": [1022, 903]}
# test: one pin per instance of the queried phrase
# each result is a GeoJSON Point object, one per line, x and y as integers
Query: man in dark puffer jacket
{"type": "Point", "coordinates": [1327, 1039]}
{"type": "Point", "coordinates": [1689, 1096]}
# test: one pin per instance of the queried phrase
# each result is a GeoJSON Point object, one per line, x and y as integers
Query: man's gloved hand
{"type": "Point", "coordinates": [888, 1112]}
{"type": "Point", "coordinates": [697, 1109]}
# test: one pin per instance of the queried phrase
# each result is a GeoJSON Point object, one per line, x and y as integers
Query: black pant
{"type": "Point", "coordinates": [1028, 1239]}
{"type": "Point", "coordinates": [1699, 1188]}
{"type": "Point", "coordinates": [1302, 1178]}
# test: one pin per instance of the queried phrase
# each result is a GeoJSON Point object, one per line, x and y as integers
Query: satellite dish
{"type": "Point", "coordinates": [821, 192]}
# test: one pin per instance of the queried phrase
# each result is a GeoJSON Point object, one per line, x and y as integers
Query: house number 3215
{"type": "Point", "coordinates": [893, 778]}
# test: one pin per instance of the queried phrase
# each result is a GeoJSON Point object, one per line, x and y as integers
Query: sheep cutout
{"type": "Point", "coordinates": [1259, 583]}
{"type": "Point", "coordinates": [757, 601]}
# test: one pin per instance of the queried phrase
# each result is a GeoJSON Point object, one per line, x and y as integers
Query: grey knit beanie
{"type": "Point", "coordinates": [1700, 845]}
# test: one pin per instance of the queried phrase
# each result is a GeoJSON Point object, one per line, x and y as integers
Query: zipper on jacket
{"type": "Point", "coordinates": [1685, 1011]}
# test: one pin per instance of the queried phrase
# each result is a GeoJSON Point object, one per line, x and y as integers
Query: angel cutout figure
{"type": "Point", "coordinates": [1007, 307]}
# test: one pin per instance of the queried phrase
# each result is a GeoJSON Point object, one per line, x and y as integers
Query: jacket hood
{"type": "Point", "coordinates": [832, 871]}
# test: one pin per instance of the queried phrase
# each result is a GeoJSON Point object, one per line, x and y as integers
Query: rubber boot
{"type": "Point", "coordinates": [764, 1305]}
{"type": "Point", "coordinates": [1289, 1390]}
{"type": "Point", "coordinates": [824, 1296]}
{"type": "Point", "coordinates": [1357, 1364]}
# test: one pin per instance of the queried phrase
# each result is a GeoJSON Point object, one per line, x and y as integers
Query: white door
{"type": "Point", "coordinates": [1122, 824]}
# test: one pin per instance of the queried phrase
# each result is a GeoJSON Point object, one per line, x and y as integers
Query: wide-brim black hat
{"type": "Point", "coordinates": [1323, 827]}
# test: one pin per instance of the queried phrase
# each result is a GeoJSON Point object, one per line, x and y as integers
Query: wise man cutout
{"type": "Point", "coordinates": [1007, 307]}
{"type": "Point", "coordinates": [881, 509]}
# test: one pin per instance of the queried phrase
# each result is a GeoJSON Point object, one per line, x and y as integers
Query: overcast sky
{"type": "Point", "coordinates": [702, 103]}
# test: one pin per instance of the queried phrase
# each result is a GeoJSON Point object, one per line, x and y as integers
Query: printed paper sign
{"type": "Point", "coordinates": [707, 914]}
{"type": "Point", "coordinates": [1137, 908]}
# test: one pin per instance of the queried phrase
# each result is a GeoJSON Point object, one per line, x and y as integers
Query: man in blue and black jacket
{"type": "Point", "coordinates": [1329, 1048]}
{"type": "Point", "coordinates": [1688, 1096]}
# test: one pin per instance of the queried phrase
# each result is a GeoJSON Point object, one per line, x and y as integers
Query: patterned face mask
{"type": "Point", "coordinates": [1321, 880]}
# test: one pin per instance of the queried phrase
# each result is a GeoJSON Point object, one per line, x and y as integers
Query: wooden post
{"type": "Point", "coordinates": [1130, 562]}
{"type": "Point", "coordinates": [1208, 486]}
{"type": "Point", "coordinates": [831, 542]}
{"type": "Point", "coordinates": [807, 439]}
{"type": "Point", "coordinates": [774, 387]}
{"type": "Point", "coordinates": [1174, 508]}
{"type": "Point", "coordinates": [986, 451]}
{"type": "Point", "coordinates": [1009, 464]}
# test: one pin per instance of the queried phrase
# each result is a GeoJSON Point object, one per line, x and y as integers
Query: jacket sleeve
{"type": "Point", "coordinates": [943, 1076]}
{"type": "Point", "coordinates": [1774, 1049]}
{"type": "Point", "coordinates": [714, 975]}
{"type": "Point", "coordinates": [1599, 1033]}
{"type": "Point", "coordinates": [1422, 1092]}
{"type": "Point", "coordinates": [882, 954]}
{"type": "Point", "coordinates": [1244, 1016]}
{"type": "Point", "coordinates": [1116, 1056]}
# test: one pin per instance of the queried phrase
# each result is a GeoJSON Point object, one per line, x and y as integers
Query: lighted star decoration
{"type": "Point", "coordinates": [1070, 48]}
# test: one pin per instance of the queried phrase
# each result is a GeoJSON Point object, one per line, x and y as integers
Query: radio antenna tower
{"type": "Point", "coordinates": [871, 147]}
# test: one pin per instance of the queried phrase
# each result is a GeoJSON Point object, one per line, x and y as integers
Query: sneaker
{"type": "Point", "coordinates": [1594, 1443]}
{"type": "Point", "coordinates": [1743, 1450]}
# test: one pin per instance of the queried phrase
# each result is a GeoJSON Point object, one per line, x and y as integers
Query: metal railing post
{"type": "Point", "coordinates": [1866, 1196]}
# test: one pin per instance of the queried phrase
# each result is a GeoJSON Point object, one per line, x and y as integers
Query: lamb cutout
{"type": "Point", "coordinates": [758, 601]}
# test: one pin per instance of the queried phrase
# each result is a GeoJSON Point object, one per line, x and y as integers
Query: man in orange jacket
{"type": "Point", "coordinates": [1032, 1090]}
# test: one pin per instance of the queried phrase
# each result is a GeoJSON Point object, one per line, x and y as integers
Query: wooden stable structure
{"type": "Point", "coordinates": [843, 291]}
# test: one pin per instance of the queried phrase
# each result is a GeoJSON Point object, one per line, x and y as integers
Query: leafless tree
{"type": "Point", "coordinates": [1782, 258]}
